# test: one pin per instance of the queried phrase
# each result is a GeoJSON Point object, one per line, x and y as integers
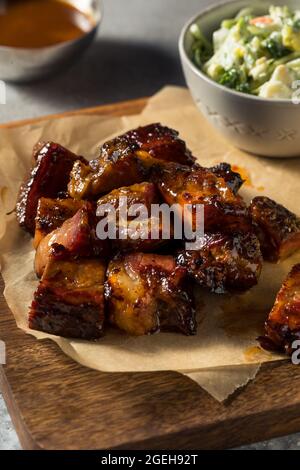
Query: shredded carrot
{"type": "Point", "coordinates": [265, 20]}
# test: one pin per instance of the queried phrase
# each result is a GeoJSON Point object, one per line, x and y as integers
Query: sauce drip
{"type": "Point", "coordinates": [40, 23]}
{"type": "Point", "coordinates": [241, 316]}
{"type": "Point", "coordinates": [256, 354]}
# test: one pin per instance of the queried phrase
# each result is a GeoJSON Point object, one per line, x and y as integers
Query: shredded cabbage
{"type": "Point", "coordinates": [253, 54]}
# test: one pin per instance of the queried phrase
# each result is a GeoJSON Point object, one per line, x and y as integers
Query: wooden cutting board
{"type": "Point", "coordinates": [57, 404]}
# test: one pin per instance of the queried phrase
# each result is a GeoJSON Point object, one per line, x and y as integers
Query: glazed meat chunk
{"type": "Point", "coordinates": [162, 143]}
{"type": "Point", "coordinates": [283, 325]}
{"type": "Point", "coordinates": [225, 263]}
{"type": "Point", "coordinates": [233, 179]}
{"type": "Point", "coordinates": [124, 169]}
{"type": "Point", "coordinates": [126, 160]}
{"type": "Point", "coordinates": [51, 214]}
{"type": "Point", "coordinates": [48, 178]}
{"type": "Point", "coordinates": [144, 194]}
{"type": "Point", "coordinates": [277, 228]}
{"type": "Point", "coordinates": [147, 293]}
{"type": "Point", "coordinates": [76, 238]}
{"type": "Point", "coordinates": [199, 186]}
{"type": "Point", "coordinates": [131, 202]}
{"type": "Point", "coordinates": [69, 300]}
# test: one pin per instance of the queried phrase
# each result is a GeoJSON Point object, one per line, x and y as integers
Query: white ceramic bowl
{"type": "Point", "coordinates": [25, 65]}
{"type": "Point", "coordinates": [261, 126]}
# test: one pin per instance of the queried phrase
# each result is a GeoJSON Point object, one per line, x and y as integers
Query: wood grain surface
{"type": "Point", "coordinates": [57, 404]}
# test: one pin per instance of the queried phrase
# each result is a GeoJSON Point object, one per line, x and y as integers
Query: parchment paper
{"type": "Point", "coordinates": [224, 355]}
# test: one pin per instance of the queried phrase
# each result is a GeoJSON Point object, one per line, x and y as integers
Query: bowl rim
{"type": "Point", "coordinates": [184, 55]}
{"type": "Point", "coordinates": [60, 45]}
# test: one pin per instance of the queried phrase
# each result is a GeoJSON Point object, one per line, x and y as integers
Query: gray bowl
{"type": "Point", "coordinates": [261, 126]}
{"type": "Point", "coordinates": [24, 65]}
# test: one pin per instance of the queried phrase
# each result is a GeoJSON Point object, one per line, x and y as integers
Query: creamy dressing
{"type": "Point", "coordinates": [256, 55]}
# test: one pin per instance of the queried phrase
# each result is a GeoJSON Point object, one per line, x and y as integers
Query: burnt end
{"type": "Point", "coordinates": [98, 178]}
{"type": "Point", "coordinates": [114, 150]}
{"type": "Point", "coordinates": [142, 245]}
{"type": "Point", "coordinates": [279, 338]}
{"type": "Point", "coordinates": [228, 216]}
{"type": "Point", "coordinates": [142, 293]}
{"type": "Point", "coordinates": [143, 194]}
{"type": "Point", "coordinates": [49, 176]}
{"type": "Point", "coordinates": [51, 214]}
{"type": "Point", "coordinates": [127, 160]}
{"type": "Point", "coordinates": [162, 143]}
{"type": "Point", "coordinates": [182, 185]}
{"type": "Point", "coordinates": [148, 293]}
{"type": "Point", "coordinates": [277, 228]}
{"type": "Point", "coordinates": [55, 317]}
{"type": "Point", "coordinates": [224, 263]}
{"type": "Point", "coordinates": [179, 317]}
{"type": "Point", "coordinates": [267, 344]}
{"type": "Point", "coordinates": [282, 327]}
{"type": "Point", "coordinates": [233, 179]}
{"type": "Point", "coordinates": [69, 300]}
{"type": "Point", "coordinates": [76, 238]}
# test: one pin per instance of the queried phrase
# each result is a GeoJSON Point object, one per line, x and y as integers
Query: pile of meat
{"type": "Point", "coordinates": [145, 286]}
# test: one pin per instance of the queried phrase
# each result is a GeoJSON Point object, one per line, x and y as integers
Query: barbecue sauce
{"type": "Point", "coordinates": [40, 23]}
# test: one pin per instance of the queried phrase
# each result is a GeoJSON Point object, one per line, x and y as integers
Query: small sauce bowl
{"type": "Point", "coordinates": [25, 65]}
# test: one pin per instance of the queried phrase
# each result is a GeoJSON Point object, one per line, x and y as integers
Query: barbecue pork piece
{"type": "Point", "coordinates": [51, 214]}
{"type": "Point", "coordinates": [144, 194]}
{"type": "Point", "coordinates": [69, 300]}
{"type": "Point", "coordinates": [283, 324]}
{"type": "Point", "coordinates": [76, 238]}
{"type": "Point", "coordinates": [222, 208]}
{"type": "Point", "coordinates": [233, 179]}
{"type": "Point", "coordinates": [147, 293]}
{"type": "Point", "coordinates": [130, 234]}
{"type": "Point", "coordinates": [145, 236]}
{"type": "Point", "coordinates": [225, 263]}
{"type": "Point", "coordinates": [126, 160]}
{"type": "Point", "coordinates": [277, 228]}
{"type": "Point", "coordinates": [49, 177]}
{"type": "Point", "coordinates": [88, 183]}
{"type": "Point", "coordinates": [160, 142]}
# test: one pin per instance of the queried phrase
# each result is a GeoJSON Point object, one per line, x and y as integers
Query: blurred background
{"type": "Point", "coordinates": [134, 55]}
